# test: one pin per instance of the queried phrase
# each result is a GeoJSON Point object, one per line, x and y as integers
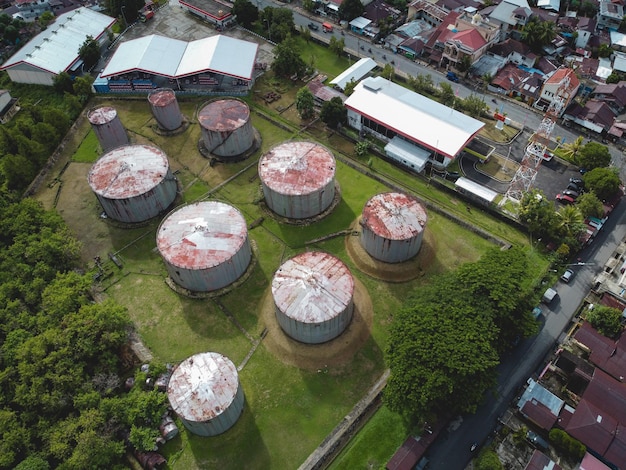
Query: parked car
{"type": "Point", "coordinates": [537, 312]}
{"type": "Point", "coordinates": [565, 199]}
{"type": "Point", "coordinates": [537, 441]}
{"type": "Point", "coordinates": [578, 182]}
{"type": "Point", "coordinates": [567, 275]}
{"type": "Point", "coordinates": [547, 156]}
{"type": "Point", "coordinates": [313, 27]}
{"type": "Point", "coordinates": [570, 193]}
{"type": "Point", "coordinates": [549, 295]}
{"type": "Point", "coordinates": [574, 187]}
{"type": "Point", "coordinates": [452, 77]}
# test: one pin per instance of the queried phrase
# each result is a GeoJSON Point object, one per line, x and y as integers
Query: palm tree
{"type": "Point", "coordinates": [571, 150]}
{"type": "Point", "coordinates": [569, 221]}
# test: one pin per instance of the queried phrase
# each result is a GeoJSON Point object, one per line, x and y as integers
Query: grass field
{"type": "Point", "coordinates": [289, 410]}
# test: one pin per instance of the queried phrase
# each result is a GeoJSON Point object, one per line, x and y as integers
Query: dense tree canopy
{"type": "Point", "coordinates": [594, 155]}
{"type": "Point", "coordinates": [305, 103]}
{"type": "Point", "coordinates": [445, 343]}
{"type": "Point", "coordinates": [604, 182]}
{"type": "Point", "coordinates": [538, 33]}
{"type": "Point", "coordinates": [89, 52]}
{"type": "Point", "coordinates": [606, 320]}
{"type": "Point", "coordinates": [245, 12]}
{"type": "Point", "coordinates": [334, 113]}
{"type": "Point", "coordinates": [60, 402]}
{"type": "Point", "coordinates": [278, 22]}
{"type": "Point", "coordinates": [287, 60]}
{"type": "Point", "coordinates": [350, 9]}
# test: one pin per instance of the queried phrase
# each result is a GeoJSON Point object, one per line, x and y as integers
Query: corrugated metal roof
{"type": "Point", "coordinates": [296, 168]}
{"type": "Point", "coordinates": [395, 216]}
{"type": "Point", "coordinates": [201, 235]}
{"type": "Point", "coordinates": [414, 116]}
{"type": "Point", "coordinates": [102, 115]}
{"type": "Point", "coordinates": [161, 97]}
{"type": "Point", "coordinates": [224, 115]}
{"type": "Point", "coordinates": [56, 48]}
{"type": "Point", "coordinates": [354, 73]}
{"type": "Point", "coordinates": [313, 287]}
{"type": "Point", "coordinates": [175, 59]}
{"type": "Point", "coordinates": [203, 386]}
{"type": "Point", "coordinates": [128, 171]}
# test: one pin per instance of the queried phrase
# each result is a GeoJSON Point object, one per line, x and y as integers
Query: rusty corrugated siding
{"type": "Point", "coordinates": [313, 295]}
{"type": "Point", "coordinates": [204, 391]}
{"type": "Point", "coordinates": [226, 127]}
{"type": "Point", "coordinates": [108, 128]}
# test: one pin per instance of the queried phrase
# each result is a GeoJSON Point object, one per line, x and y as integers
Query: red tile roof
{"type": "Point", "coordinates": [592, 427]}
{"type": "Point", "coordinates": [540, 461]}
{"type": "Point", "coordinates": [539, 414]}
{"type": "Point", "coordinates": [562, 73]}
{"type": "Point", "coordinates": [470, 38]}
{"type": "Point", "coordinates": [607, 394]}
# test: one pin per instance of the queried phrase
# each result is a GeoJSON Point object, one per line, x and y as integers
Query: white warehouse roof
{"type": "Point", "coordinates": [413, 116]}
{"type": "Point", "coordinates": [173, 58]}
{"type": "Point", "coordinates": [354, 73]}
{"type": "Point", "coordinates": [56, 48]}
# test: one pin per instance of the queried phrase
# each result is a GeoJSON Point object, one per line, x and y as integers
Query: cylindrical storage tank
{"type": "Point", "coordinates": [313, 295]}
{"type": "Point", "coordinates": [392, 227]}
{"type": "Point", "coordinates": [108, 128]}
{"type": "Point", "coordinates": [205, 245]}
{"type": "Point", "coordinates": [298, 179]}
{"type": "Point", "coordinates": [133, 183]}
{"type": "Point", "coordinates": [226, 127]}
{"type": "Point", "coordinates": [205, 393]}
{"type": "Point", "coordinates": [165, 108]}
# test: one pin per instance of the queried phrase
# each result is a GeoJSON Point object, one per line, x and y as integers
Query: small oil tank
{"type": "Point", "coordinates": [133, 183]}
{"type": "Point", "coordinates": [204, 245]}
{"type": "Point", "coordinates": [226, 127]}
{"type": "Point", "coordinates": [298, 179]}
{"type": "Point", "coordinates": [392, 227]}
{"type": "Point", "coordinates": [165, 108]}
{"type": "Point", "coordinates": [205, 393]}
{"type": "Point", "coordinates": [313, 295]}
{"type": "Point", "coordinates": [108, 128]}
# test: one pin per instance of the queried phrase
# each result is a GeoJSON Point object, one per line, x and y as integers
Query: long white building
{"type": "Point", "coordinates": [418, 130]}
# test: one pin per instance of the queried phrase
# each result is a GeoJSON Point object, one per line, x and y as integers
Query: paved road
{"type": "Point", "coordinates": [452, 451]}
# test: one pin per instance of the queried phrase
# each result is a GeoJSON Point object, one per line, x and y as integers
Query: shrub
{"type": "Point", "coordinates": [567, 444]}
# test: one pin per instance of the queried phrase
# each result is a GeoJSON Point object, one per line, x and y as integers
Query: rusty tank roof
{"type": "Point", "coordinates": [161, 97]}
{"type": "Point", "coordinates": [395, 216]}
{"type": "Point", "coordinates": [101, 115]}
{"type": "Point", "coordinates": [224, 115]}
{"type": "Point", "coordinates": [201, 235]}
{"type": "Point", "coordinates": [203, 386]}
{"type": "Point", "coordinates": [313, 287]}
{"type": "Point", "coordinates": [296, 168]}
{"type": "Point", "coordinates": [128, 171]}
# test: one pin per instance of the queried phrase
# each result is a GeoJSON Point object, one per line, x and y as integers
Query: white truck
{"type": "Point", "coordinates": [549, 295]}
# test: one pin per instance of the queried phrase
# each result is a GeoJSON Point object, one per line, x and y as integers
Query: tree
{"type": "Point", "coordinates": [536, 212]}
{"type": "Point", "coordinates": [604, 182]}
{"type": "Point", "coordinates": [422, 83]}
{"type": "Point", "coordinates": [11, 33]}
{"type": "Point", "coordinates": [334, 113]}
{"type": "Point", "coordinates": [569, 223]}
{"type": "Point", "coordinates": [279, 21]}
{"type": "Point", "coordinates": [607, 320]}
{"type": "Point", "coordinates": [589, 205]}
{"type": "Point", "coordinates": [388, 72]}
{"type": "Point", "coordinates": [82, 87]}
{"type": "Point", "coordinates": [488, 460]}
{"type": "Point", "coordinates": [305, 103]}
{"type": "Point", "coordinates": [570, 150]}
{"type": "Point", "coordinates": [604, 50]}
{"type": "Point", "coordinates": [336, 45]}
{"type": "Point", "coordinates": [287, 60]}
{"type": "Point", "coordinates": [89, 52]}
{"type": "Point", "coordinates": [594, 155]}
{"type": "Point", "coordinates": [350, 9]}
{"type": "Point", "coordinates": [309, 5]}
{"type": "Point", "coordinates": [245, 12]}
{"type": "Point", "coordinates": [349, 87]}
{"type": "Point", "coordinates": [447, 96]}
{"type": "Point", "coordinates": [361, 148]}
{"type": "Point", "coordinates": [537, 33]}
{"type": "Point", "coordinates": [464, 64]}
{"type": "Point", "coordinates": [474, 105]}
{"type": "Point", "coordinates": [45, 19]}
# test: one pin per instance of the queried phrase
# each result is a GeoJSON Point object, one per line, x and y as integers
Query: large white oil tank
{"type": "Point", "coordinates": [205, 392]}
{"type": "Point", "coordinates": [227, 130]}
{"type": "Point", "coordinates": [392, 227]}
{"type": "Point", "coordinates": [204, 245]}
{"type": "Point", "coordinates": [298, 179]}
{"type": "Point", "coordinates": [133, 183]}
{"type": "Point", "coordinates": [313, 295]}
{"type": "Point", "coordinates": [108, 128]}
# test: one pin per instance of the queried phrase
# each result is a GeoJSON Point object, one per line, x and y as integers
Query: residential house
{"type": "Point", "coordinates": [507, 79]}
{"type": "Point", "coordinates": [30, 10]}
{"type": "Point", "coordinates": [514, 51]}
{"type": "Point", "coordinates": [437, 40]}
{"type": "Point", "coordinates": [562, 85]}
{"type": "Point", "coordinates": [471, 37]}
{"type": "Point", "coordinates": [540, 461]}
{"type": "Point", "coordinates": [554, 5]}
{"type": "Point", "coordinates": [510, 16]}
{"type": "Point", "coordinates": [529, 88]}
{"type": "Point", "coordinates": [606, 353]}
{"type": "Point", "coordinates": [614, 95]}
{"type": "Point", "coordinates": [595, 116]}
{"type": "Point", "coordinates": [380, 13]}
{"type": "Point", "coordinates": [431, 13]}
{"type": "Point", "coordinates": [610, 14]}
{"type": "Point", "coordinates": [8, 106]}
{"type": "Point", "coordinates": [585, 28]}
{"type": "Point", "coordinates": [618, 41]}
